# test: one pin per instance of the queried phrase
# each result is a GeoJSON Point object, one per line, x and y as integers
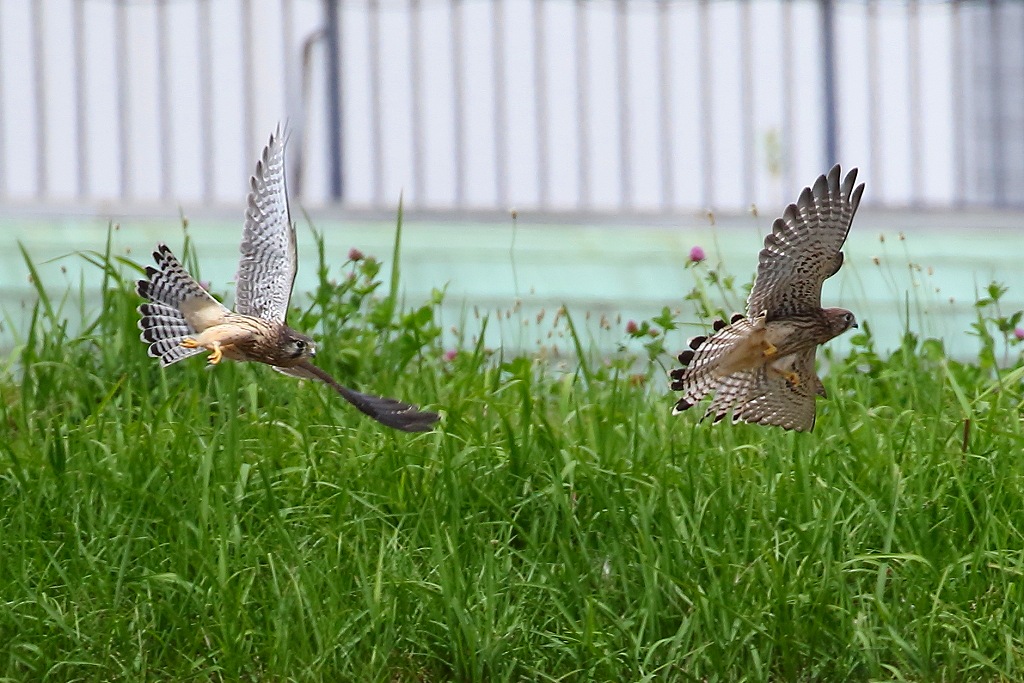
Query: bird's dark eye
{"type": "Point", "coordinates": [299, 344]}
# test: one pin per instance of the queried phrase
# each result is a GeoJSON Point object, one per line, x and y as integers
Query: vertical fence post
{"type": "Point", "coordinates": [959, 106]}
{"type": "Point", "coordinates": [540, 110]}
{"type": "Point", "coordinates": [81, 144]}
{"type": "Point", "coordinates": [622, 76]}
{"type": "Point", "coordinates": [666, 90]}
{"type": "Point", "coordinates": [500, 103]}
{"type": "Point", "coordinates": [416, 96]}
{"type": "Point", "coordinates": [995, 69]}
{"type": "Point", "coordinates": [458, 102]}
{"type": "Point", "coordinates": [915, 112]}
{"type": "Point", "coordinates": [334, 97]}
{"type": "Point", "coordinates": [376, 100]}
{"type": "Point", "coordinates": [707, 126]}
{"type": "Point", "coordinates": [122, 85]}
{"type": "Point", "coordinates": [582, 104]}
{"type": "Point", "coordinates": [40, 83]}
{"type": "Point", "coordinates": [828, 68]}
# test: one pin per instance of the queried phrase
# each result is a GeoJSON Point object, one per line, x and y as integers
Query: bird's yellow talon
{"type": "Point", "coordinates": [215, 354]}
{"type": "Point", "coordinates": [189, 343]}
{"type": "Point", "coordinates": [769, 349]}
{"type": "Point", "coordinates": [791, 378]}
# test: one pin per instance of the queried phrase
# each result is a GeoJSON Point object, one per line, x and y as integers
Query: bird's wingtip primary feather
{"type": "Point", "coordinates": [388, 411]}
{"type": "Point", "coordinates": [681, 406]}
{"type": "Point", "coordinates": [393, 413]}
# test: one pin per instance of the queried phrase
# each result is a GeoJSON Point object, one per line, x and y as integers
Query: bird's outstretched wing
{"type": "Point", "coordinates": [387, 411]}
{"type": "Point", "coordinates": [267, 269]}
{"type": "Point", "coordinates": [803, 249]}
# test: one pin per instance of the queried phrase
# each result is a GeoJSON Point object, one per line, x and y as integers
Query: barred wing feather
{"type": "Point", "coordinates": [267, 269]}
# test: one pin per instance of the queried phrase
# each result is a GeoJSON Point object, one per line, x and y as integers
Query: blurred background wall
{"type": "Point", "coordinates": [589, 107]}
{"type": "Point", "coordinates": [623, 132]}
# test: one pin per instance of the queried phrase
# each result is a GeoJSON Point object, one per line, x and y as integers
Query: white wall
{"type": "Point", "coordinates": [646, 132]}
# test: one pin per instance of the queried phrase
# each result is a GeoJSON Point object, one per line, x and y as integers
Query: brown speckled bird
{"type": "Point", "coordinates": [760, 366]}
{"type": "Point", "coordinates": [181, 319]}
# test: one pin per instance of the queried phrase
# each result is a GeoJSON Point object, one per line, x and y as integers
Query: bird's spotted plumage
{"type": "Point", "coordinates": [181, 319]}
{"type": "Point", "coordinates": [760, 366]}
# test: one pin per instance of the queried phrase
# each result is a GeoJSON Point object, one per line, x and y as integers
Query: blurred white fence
{"type": "Point", "coordinates": [584, 107]}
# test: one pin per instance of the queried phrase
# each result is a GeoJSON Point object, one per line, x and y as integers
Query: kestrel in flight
{"type": "Point", "coordinates": [181, 319]}
{"type": "Point", "coordinates": [760, 366]}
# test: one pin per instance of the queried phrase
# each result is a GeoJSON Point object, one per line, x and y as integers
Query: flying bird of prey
{"type": "Point", "coordinates": [181, 319]}
{"type": "Point", "coordinates": [760, 366]}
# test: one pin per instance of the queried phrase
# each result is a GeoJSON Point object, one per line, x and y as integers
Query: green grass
{"type": "Point", "coordinates": [234, 524]}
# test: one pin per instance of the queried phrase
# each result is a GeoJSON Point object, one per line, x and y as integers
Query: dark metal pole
{"type": "Point", "coordinates": [828, 68]}
{"type": "Point", "coordinates": [334, 96]}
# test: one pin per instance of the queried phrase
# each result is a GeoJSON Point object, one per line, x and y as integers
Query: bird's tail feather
{"type": "Point", "coordinates": [168, 283]}
{"type": "Point", "coordinates": [163, 325]}
{"type": "Point", "coordinates": [164, 328]}
{"type": "Point", "coordinates": [703, 359]}
{"type": "Point", "coordinates": [167, 349]}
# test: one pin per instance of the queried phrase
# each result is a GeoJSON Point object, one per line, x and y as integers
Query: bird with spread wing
{"type": "Point", "coordinates": [181, 319]}
{"type": "Point", "coordinates": [760, 366]}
